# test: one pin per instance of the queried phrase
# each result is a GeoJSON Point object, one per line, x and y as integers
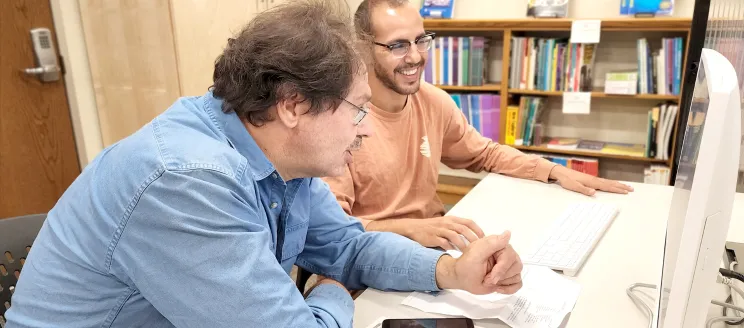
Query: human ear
{"type": "Point", "coordinates": [289, 110]}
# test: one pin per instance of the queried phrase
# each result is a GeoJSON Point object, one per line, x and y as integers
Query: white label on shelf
{"type": "Point", "coordinates": [577, 102]}
{"type": "Point", "coordinates": [586, 31]}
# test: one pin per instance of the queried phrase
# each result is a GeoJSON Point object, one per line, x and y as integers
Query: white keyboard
{"type": "Point", "coordinates": [572, 237]}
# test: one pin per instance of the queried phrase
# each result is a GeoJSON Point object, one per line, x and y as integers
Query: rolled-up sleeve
{"type": "Point", "coordinates": [193, 248]}
{"type": "Point", "coordinates": [338, 247]}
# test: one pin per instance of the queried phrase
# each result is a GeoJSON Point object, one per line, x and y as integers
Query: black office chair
{"type": "Point", "coordinates": [16, 237]}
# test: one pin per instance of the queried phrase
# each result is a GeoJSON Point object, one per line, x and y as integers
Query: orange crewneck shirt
{"type": "Point", "coordinates": [394, 174]}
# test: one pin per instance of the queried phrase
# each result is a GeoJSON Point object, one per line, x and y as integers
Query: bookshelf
{"type": "Point", "coordinates": [573, 152]}
{"type": "Point", "coordinates": [614, 119]}
{"type": "Point", "coordinates": [596, 94]}
{"type": "Point", "coordinates": [491, 87]}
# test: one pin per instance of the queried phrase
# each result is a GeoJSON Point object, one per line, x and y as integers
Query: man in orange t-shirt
{"type": "Point", "coordinates": [391, 184]}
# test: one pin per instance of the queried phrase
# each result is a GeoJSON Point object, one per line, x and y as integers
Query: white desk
{"type": "Point", "coordinates": [629, 252]}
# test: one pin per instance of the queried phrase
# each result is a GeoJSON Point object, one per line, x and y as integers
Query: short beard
{"type": "Point", "coordinates": [389, 80]}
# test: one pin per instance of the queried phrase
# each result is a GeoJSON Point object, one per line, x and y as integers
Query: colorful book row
{"type": "Point", "coordinates": [660, 71]}
{"type": "Point", "coordinates": [550, 64]}
{"type": "Point", "coordinates": [523, 125]}
{"type": "Point", "coordinates": [457, 60]}
{"type": "Point", "coordinates": [482, 111]}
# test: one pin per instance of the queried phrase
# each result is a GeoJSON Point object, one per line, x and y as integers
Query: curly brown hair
{"type": "Point", "coordinates": [305, 47]}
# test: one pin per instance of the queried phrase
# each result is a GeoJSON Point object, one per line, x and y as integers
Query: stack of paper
{"type": "Point", "coordinates": [543, 301]}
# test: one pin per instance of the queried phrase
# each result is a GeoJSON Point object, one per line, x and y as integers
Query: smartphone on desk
{"type": "Point", "coordinates": [428, 323]}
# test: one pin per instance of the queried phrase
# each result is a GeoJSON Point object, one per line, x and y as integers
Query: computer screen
{"type": "Point", "coordinates": [683, 185]}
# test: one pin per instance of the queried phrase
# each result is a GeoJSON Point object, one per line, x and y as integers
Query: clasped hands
{"type": "Point", "coordinates": [488, 265]}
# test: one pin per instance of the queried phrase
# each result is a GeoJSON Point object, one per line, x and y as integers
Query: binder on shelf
{"type": "Point", "coordinates": [437, 8]}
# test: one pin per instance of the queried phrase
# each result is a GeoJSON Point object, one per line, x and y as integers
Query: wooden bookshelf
{"type": "Point", "coordinates": [502, 30]}
{"type": "Point", "coordinates": [469, 88]}
{"type": "Point", "coordinates": [596, 94]}
{"type": "Point", "coordinates": [595, 154]}
{"type": "Point", "coordinates": [560, 24]}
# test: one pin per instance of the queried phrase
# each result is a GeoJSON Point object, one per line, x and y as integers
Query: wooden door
{"type": "Point", "coordinates": [38, 159]}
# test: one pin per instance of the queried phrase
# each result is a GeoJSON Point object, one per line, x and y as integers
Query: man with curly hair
{"type": "Point", "coordinates": [197, 219]}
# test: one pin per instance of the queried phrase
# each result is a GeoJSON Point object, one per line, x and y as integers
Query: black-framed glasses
{"type": "Point", "coordinates": [400, 48]}
{"type": "Point", "coordinates": [362, 112]}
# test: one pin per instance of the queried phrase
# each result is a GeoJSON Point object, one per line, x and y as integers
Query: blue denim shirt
{"type": "Point", "coordinates": [186, 223]}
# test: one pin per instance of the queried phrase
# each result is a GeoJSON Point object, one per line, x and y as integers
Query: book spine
{"type": "Point", "coordinates": [511, 125]}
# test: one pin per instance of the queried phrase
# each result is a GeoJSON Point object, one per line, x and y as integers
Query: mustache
{"type": "Point", "coordinates": [356, 144]}
{"type": "Point", "coordinates": [409, 66]}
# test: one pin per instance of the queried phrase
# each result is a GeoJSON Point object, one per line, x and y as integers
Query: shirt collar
{"type": "Point", "coordinates": [238, 137]}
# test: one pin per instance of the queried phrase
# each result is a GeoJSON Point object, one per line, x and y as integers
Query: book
{"type": "Point", "coordinates": [647, 7]}
{"type": "Point", "coordinates": [482, 111]}
{"type": "Point", "coordinates": [553, 9]}
{"type": "Point", "coordinates": [457, 60]}
{"type": "Point", "coordinates": [437, 8]}
{"type": "Point", "coordinates": [551, 64]}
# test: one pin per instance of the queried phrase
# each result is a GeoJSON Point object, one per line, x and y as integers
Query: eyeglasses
{"type": "Point", "coordinates": [362, 112]}
{"type": "Point", "coordinates": [400, 49]}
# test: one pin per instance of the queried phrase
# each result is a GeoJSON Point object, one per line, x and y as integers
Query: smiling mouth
{"type": "Point", "coordinates": [409, 71]}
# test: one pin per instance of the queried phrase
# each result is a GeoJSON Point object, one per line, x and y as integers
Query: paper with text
{"type": "Point", "coordinates": [577, 102]}
{"type": "Point", "coordinates": [543, 301]}
{"type": "Point", "coordinates": [586, 31]}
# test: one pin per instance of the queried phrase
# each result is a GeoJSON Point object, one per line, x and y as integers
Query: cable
{"type": "Point", "coordinates": [640, 303]}
{"type": "Point", "coordinates": [728, 275]}
{"type": "Point", "coordinates": [649, 313]}
{"type": "Point", "coordinates": [731, 274]}
{"type": "Point", "coordinates": [733, 307]}
{"type": "Point", "coordinates": [713, 320]}
{"type": "Point", "coordinates": [725, 314]}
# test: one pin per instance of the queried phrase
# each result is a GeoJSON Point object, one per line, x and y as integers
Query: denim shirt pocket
{"type": "Point", "coordinates": [295, 235]}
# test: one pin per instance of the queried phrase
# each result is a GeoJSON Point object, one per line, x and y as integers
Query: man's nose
{"type": "Point", "coordinates": [413, 56]}
{"type": "Point", "coordinates": [365, 128]}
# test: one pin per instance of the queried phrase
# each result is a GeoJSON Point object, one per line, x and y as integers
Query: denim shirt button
{"type": "Point", "coordinates": [273, 205]}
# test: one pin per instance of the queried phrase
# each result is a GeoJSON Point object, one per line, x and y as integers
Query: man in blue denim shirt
{"type": "Point", "coordinates": [196, 219]}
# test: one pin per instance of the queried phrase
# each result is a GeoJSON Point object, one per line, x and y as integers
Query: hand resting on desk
{"type": "Point", "coordinates": [486, 266]}
{"type": "Point", "coordinates": [584, 183]}
{"type": "Point", "coordinates": [444, 231]}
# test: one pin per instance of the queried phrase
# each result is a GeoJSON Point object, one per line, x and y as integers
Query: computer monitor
{"type": "Point", "coordinates": [703, 196]}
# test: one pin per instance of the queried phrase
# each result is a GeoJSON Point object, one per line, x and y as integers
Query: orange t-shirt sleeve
{"type": "Point", "coordinates": [464, 148]}
{"type": "Point", "coordinates": [343, 188]}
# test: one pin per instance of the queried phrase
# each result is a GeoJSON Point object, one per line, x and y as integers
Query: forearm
{"type": "Point", "coordinates": [380, 260]}
{"type": "Point", "coordinates": [476, 153]}
{"type": "Point", "coordinates": [403, 227]}
{"type": "Point", "coordinates": [509, 161]}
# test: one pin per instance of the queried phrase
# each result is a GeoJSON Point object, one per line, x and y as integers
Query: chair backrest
{"type": "Point", "coordinates": [16, 237]}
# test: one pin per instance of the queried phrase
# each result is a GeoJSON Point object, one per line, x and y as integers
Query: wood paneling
{"type": "Point", "coordinates": [201, 29]}
{"type": "Point", "coordinates": [132, 60]}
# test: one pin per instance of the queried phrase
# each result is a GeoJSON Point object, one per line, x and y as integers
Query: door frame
{"type": "Point", "coordinates": [78, 81]}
